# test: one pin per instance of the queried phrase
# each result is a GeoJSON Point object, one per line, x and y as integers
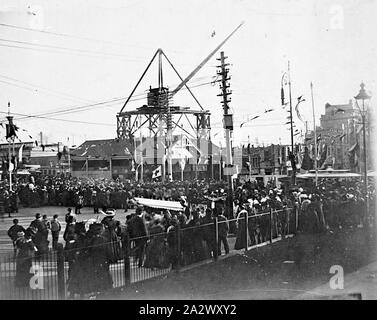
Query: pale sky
{"type": "Point", "coordinates": [104, 46]}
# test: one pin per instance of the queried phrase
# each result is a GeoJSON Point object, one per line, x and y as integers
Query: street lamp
{"type": "Point", "coordinates": [363, 97]}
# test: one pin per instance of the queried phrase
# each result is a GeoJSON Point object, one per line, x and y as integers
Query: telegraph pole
{"type": "Point", "coordinates": [169, 136]}
{"type": "Point", "coordinates": [291, 155]}
{"type": "Point", "coordinates": [141, 159]}
{"type": "Point", "coordinates": [10, 136]}
{"type": "Point", "coordinates": [228, 123]}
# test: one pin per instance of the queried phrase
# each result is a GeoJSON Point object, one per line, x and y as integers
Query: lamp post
{"type": "Point", "coordinates": [363, 97]}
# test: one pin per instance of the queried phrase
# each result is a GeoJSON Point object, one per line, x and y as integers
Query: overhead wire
{"type": "Point", "coordinates": [74, 109]}
{"type": "Point", "coordinates": [57, 49]}
{"type": "Point", "coordinates": [47, 118]}
{"type": "Point", "coordinates": [65, 35]}
{"type": "Point", "coordinates": [36, 88]}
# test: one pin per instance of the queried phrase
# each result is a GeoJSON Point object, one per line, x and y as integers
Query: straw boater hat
{"type": "Point", "coordinates": [20, 234]}
{"type": "Point", "coordinates": [89, 222]}
{"type": "Point", "coordinates": [109, 213]}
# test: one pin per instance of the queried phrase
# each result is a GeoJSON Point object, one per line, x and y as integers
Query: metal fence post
{"type": "Point", "coordinates": [60, 271]}
{"type": "Point", "coordinates": [246, 230]}
{"type": "Point", "coordinates": [271, 222]}
{"type": "Point", "coordinates": [216, 252]}
{"type": "Point", "coordinates": [178, 247]}
{"type": "Point", "coordinates": [126, 261]}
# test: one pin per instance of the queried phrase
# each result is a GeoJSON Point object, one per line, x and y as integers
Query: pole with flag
{"type": "Point", "coordinates": [141, 158]}
{"type": "Point", "coordinates": [183, 160]}
{"type": "Point", "coordinates": [10, 135]}
{"type": "Point", "coordinates": [249, 156]}
{"type": "Point", "coordinates": [315, 137]}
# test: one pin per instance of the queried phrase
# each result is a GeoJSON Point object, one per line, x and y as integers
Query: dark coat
{"type": "Point", "coordinates": [99, 271]}
{"type": "Point", "coordinates": [24, 261]}
{"type": "Point", "coordinates": [13, 230]}
{"type": "Point", "coordinates": [156, 253]}
{"type": "Point", "coordinates": [136, 227]}
{"type": "Point", "coordinates": [223, 226]}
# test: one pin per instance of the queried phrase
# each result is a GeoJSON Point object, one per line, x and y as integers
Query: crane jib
{"type": "Point", "coordinates": [183, 83]}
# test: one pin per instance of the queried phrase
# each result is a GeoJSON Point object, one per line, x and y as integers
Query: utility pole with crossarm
{"type": "Point", "coordinates": [228, 125]}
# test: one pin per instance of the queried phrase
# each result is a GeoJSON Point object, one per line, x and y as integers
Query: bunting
{"type": "Point", "coordinates": [20, 153]}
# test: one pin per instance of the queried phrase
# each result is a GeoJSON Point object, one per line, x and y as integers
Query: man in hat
{"type": "Point", "coordinates": [317, 205]}
{"type": "Point", "coordinates": [223, 229]}
{"type": "Point", "coordinates": [40, 236]}
{"type": "Point", "coordinates": [137, 230]}
{"type": "Point", "coordinates": [55, 230]}
{"type": "Point", "coordinates": [37, 222]}
{"type": "Point", "coordinates": [12, 233]}
{"type": "Point", "coordinates": [69, 214]}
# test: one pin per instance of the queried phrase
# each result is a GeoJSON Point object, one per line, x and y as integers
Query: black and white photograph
{"type": "Point", "coordinates": [198, 151]}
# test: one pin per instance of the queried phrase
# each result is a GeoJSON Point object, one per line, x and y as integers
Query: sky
{"type": "Point", "coordinates": [83, 58]}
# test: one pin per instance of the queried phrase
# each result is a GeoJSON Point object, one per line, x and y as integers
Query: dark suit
{"type": "Point", "coordinates": [136, 229]}
{"type": "Point", "coordinates": [223, 229]}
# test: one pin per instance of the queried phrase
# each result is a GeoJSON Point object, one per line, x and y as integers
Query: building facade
{"type": "Point", "coordinates": [339, 138]}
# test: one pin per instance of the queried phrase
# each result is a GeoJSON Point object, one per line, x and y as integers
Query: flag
{"type": "Point", "coordinates": [20, 153]}
{"type": "Point", "coordinates": [11, 130]}
{"type": "Point", "coordinates": [323, 158]}
{"type": "Point", "coordinates": [298, 160]}
{"type": "Point", "coordinates": [298, 112]}
{"type": "Point", "coordinates": [307, 162]}
{"type": "Point", "coordinates": [222, 162]}
{"type": "Point", "coordinates": [353, 154]}
{"type": "Point", "coordinates": [182, 164]}
{"type": "Point", "coordinates": [157, 172]}
{"type": "Point", "coordinates": [11, 166]}
{"type": "Point", "coordinates": [282, 96]}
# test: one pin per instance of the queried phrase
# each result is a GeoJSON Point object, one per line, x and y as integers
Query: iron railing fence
{"type": "Point", "coordinates": [83, 269]}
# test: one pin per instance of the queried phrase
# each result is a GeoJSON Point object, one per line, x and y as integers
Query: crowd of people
{"type": "Point", "coordinates": [151, 237]}
{"type": "Point", "coordinates": [69, 191]}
